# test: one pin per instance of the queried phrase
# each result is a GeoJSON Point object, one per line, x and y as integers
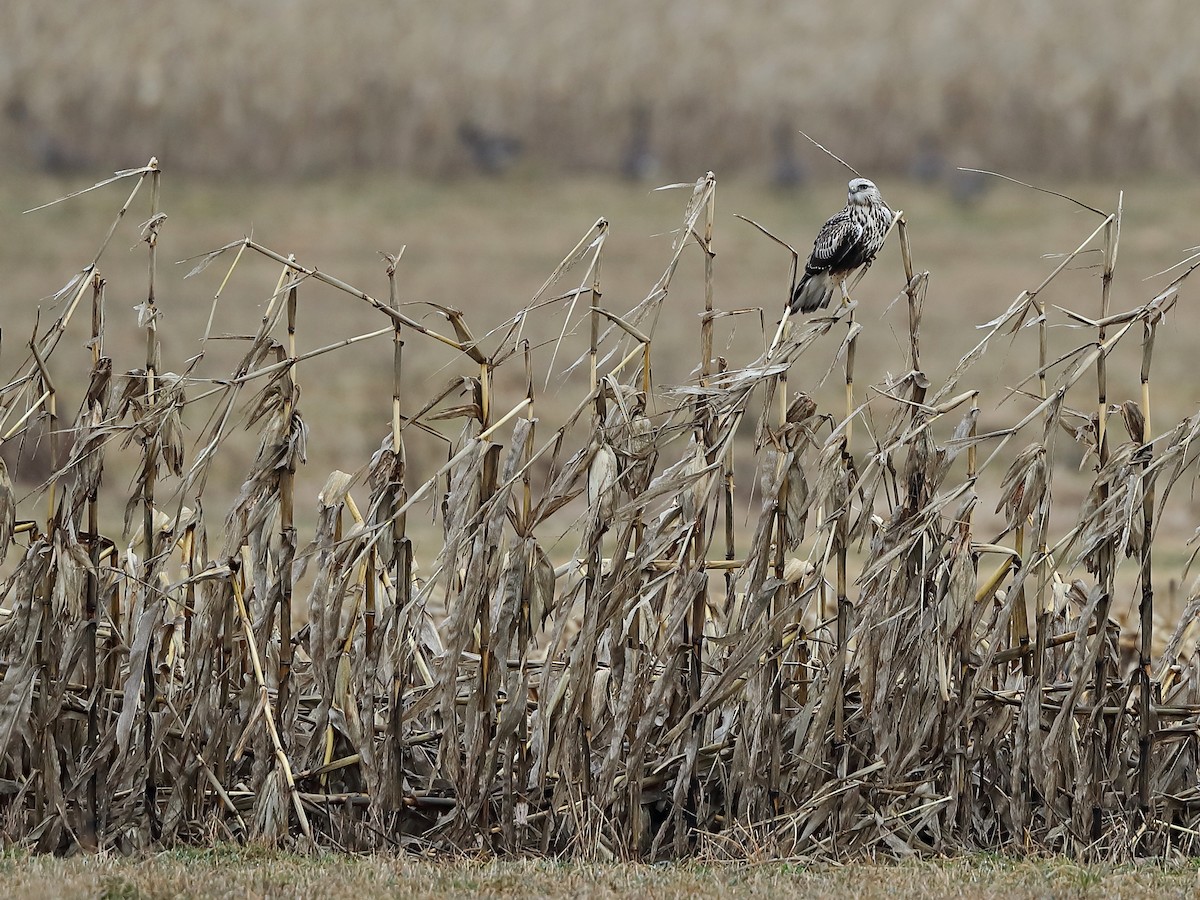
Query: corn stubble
{"type": "Point", "coordinates": [854, 670]}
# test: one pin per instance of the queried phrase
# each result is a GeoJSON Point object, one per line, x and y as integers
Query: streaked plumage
{"type": "Point", "coordinates": [847, 241]}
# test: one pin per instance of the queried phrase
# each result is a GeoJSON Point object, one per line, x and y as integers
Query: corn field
{"type": "Point", "coordinates": [822, 656]}
{"type": "Point", "coordinates": [299, 88]}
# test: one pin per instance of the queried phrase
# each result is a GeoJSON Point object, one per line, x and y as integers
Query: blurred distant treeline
{"type": "Point", "coordinates": [646, 88]}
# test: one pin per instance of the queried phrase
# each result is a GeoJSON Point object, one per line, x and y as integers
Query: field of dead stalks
{"type": "Point", "coordinates": [1081, 88]}
{"type": "Point", "coordinates": [580, 596]}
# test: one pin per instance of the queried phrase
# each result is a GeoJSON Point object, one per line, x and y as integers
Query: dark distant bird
{"type": "Point", "coordinates": [639, 162]}
{"type": "Point", "coordinates": [847, 241]}
{"type": "Point", "coordinates": [929, 164]}
{"type": "Point", "coordinates": [968, 188]}
{"type": "Point", "coordinates": [788, 172]}
{"type": "Point", "coordinates": [50, 154]}
{"type": "Point", "coordinates": [491, 152]}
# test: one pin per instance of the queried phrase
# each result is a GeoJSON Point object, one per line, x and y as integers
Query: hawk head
{"type": "Point", "coordinates": [863, 193]}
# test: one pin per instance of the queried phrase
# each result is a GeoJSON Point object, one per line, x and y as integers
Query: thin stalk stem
{"type": "Point", "coordinates": [149, 475]}
{"type": "Point", "coordinates": [287, 503]}
{"type": "Point", "coordinates": [91, 608]}
{"type": "Point", "coordinates": [1146, 718]}
{"type": "Point", "coordinates": [1107, 562]}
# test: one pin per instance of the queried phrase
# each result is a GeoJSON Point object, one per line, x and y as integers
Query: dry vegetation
{"type": "Point", "coordinates": [608, 645]}
{"type": "Point", "coordinates": [302, 87]}
{"type": "Point", "coordinates": [254, 872]}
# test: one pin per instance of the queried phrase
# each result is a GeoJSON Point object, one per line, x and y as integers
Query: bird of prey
{"type": "Point", "coordinates": [847, 241]}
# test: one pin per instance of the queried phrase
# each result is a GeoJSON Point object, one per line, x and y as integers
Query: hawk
{"type": "Point", "coordinates": [847, 241]}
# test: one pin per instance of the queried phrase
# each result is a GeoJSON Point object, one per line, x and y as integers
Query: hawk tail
{"type": "Point", "coordinates": [812, 293]}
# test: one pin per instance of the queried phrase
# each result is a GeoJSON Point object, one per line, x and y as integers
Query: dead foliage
{"type": "Point", "coordinates": [853, 670]}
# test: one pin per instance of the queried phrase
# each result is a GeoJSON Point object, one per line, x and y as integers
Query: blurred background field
{"type": "Point", "coordinates": [1081, 88]}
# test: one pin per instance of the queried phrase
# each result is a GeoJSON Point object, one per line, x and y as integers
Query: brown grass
{"type": "Point", "coordinates": [227, 871]}
{"type": "Point", "coordinates": [1075, 87]}
{"type": "Point", "coordinates": [721, 616]}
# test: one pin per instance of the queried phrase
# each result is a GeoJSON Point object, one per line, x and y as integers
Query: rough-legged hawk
{"type": "Point", "coordinates": [848, 240]}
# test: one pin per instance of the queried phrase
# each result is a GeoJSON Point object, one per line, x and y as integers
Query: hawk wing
{"type": "Point", "coordinates": [836, 243]}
